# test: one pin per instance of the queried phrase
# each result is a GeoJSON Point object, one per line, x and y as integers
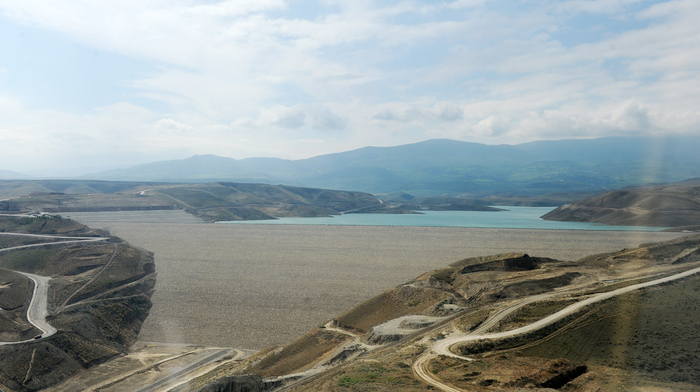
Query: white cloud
{"type": "Point", "coordinates": [295, 117]}
{"type": "Point", "coordinates": [284, 117]}
{"type": "Point", "coordinates": [597, 6]}
{"type": "Point", "coordinates": [170, 127]}
{"type": "Point", "coordinates": [440, 111]}
{"type": "Point", "coordinates": [457, 4]}
{"type": "Point", "coordinates": [631, 116]}
{"type": "Point", "coordinates": [493, 126]}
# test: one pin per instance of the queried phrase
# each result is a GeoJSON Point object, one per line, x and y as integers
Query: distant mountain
{"type": "Point", "coordinates": [449, 167]}
{"type": "Point", "coordinates": [668, 205]}
{"type": "Point", "coordinates": [10, 175]}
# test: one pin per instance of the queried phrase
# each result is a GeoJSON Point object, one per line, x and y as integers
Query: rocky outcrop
{"type": "Point", "coordinates": [557, 373]}
{"type": "Point", "coordinates": [244, 383]}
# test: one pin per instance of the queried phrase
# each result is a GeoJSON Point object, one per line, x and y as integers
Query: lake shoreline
{"type": "Point", "coordinates": [512, 217]}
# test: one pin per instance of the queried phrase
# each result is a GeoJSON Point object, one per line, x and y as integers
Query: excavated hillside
{"type": "Point", "coordinates": [98, 297]}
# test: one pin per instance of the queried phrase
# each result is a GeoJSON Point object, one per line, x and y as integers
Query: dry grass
{"type": "Point", "coordinates": [299, 354]}
{"type": "Point", "coordinates": [394, 303]}
{"type": "Point", "coordinates": [655, 331]}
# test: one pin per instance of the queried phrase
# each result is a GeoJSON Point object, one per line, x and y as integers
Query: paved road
{"type": "Point", "coordinates": [53, 243]}
{"type": "Point", "coordinates": [443, 347]}
{"type": "Point", "coordinates": [37, 310]}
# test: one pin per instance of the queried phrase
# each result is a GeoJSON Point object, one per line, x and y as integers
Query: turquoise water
{"type": "Point", "coordinates": [513, 218]}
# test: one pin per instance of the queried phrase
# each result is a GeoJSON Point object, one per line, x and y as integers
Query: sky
{"type": "Point", "coordinates": [92, 85]}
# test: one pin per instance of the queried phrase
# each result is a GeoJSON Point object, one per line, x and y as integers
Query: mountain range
{"type": "Point", "coordinates": [449, 167]}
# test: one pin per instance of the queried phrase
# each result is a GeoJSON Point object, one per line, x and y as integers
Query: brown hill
{"type": "Point", "coordinates": [217, 201]}
{"type": "Point", "coordinates": [669, 205]}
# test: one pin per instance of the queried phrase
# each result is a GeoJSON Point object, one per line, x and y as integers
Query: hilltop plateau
{"type": "Point", "coordinates": [211, 201]}
{"type": "Point", "coordinates": [71, 298]}
{"type": "Point", "coordinates": [670, 205]}
{"type": "Point", "coordinates": [621, 320]}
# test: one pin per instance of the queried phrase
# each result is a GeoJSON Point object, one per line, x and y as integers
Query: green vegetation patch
{"type": "Point", "coordinates": [376, 377]}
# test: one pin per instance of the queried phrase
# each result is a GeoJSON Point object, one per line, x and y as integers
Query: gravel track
{"type": "Point", "coordinates": [443, 347]}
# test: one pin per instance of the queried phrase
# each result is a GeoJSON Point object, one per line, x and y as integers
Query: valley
{"type": "Point", "coordinates": [241, 278]}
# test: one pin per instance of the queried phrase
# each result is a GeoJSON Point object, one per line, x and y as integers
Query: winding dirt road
{"type": "Point", "coordinates": [443, 347]}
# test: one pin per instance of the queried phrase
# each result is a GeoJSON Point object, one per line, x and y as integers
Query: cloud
{"type": "Point", "coordinates": [493, 126]}
{"type": "Point", "coordinates": [597, 6]}
{"type": "Point", "coordinates": [458, 4]}
{"type": "Point", "coordinates": [168, 126]}
{"type": "Point", "coordinates": [324, 119]}
{"type": "Point", "coordinates": [284, 117]}
{"type": "Point", "coordinates": [295, 117]}
{"type": "Point", "coordinates": [631, 116]}
{"type": "Point", "coordinates": [440, 111]}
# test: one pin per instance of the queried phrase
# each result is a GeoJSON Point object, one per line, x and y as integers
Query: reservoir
{"type": "Point", "coordinates": [510, 218]}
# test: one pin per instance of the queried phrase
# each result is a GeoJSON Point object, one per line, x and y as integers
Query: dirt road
{"type": "Point", "coordinates": [443, 347]}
